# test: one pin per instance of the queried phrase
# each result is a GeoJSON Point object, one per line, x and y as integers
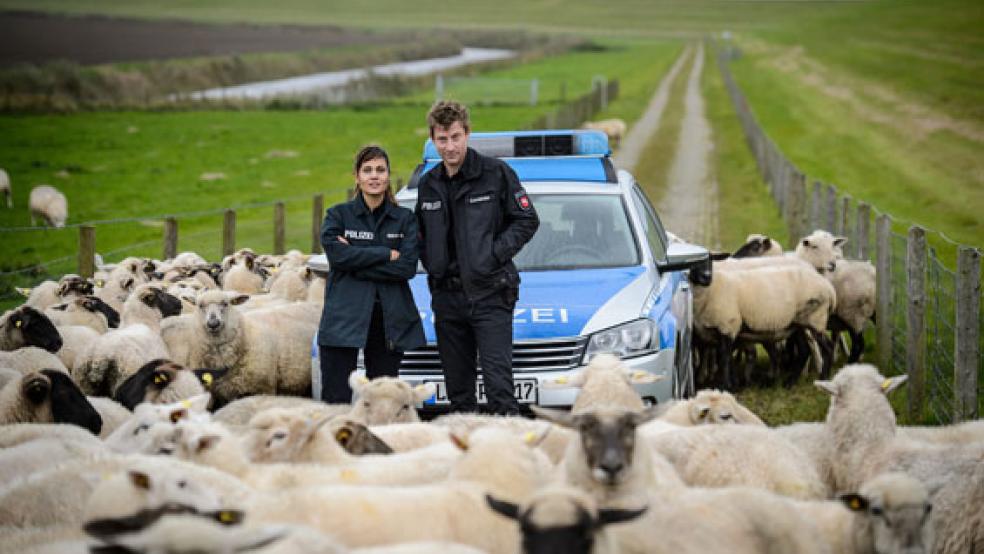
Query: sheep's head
{"type": "Point", "coordinates": [387, 400]}
{"type": "Point", "coordinates": [607, 438]}
{"type": "Point", "coordinates": [756, 246]}
{"type": "Point", "coordinates": [25, 326]}
{"type": "Point", "coordinates": [713, 406]}
{"type": "Point", "coordinates": [148, 487]}
{"type": "Point", "coordinates": [859, 379]}
{"type": "Point", "coordinates": [72, 284]}
{"type": "Point", "coordinates": [50, 396]}
{"type": "Point", "coordinates": [279, 434]}
{"type": "Point", "coordinates": [896, 508]}
{"type": "Point", "coordinates": [154, 297]}
{"type": "Point", "coordinates": [356, 438]}
{"type": "Point", "coordinates": [821, 250]}
{"type": "Point", "coordinates": [217, 308]}
{"type": "Point", "coordinates": [177, 528]}
{"type": "Point", "coordinates": [158, 381]}
{"type": "Point", "coordinates": [560, 519]}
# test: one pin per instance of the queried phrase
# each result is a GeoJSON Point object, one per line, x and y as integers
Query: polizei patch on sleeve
{"type": "Point", "coordinates": [523, 200]}
{"type": "Point", "coordinates": [430, 206]}
{"type": "Point", "coordinates": [359, 235]}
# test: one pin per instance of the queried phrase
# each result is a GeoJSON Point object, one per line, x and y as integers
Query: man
{"type": "Point", "coordinates": [474, 216]}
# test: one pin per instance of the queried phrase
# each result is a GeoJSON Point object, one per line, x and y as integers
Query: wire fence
{"type": "Point", "coordinates": [928, 318]}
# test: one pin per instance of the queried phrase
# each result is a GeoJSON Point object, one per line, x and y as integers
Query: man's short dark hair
{"type": "Point", "coordinates": [444, 113]}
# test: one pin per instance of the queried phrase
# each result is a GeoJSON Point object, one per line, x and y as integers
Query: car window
{"type": "Point", "coordinates": [650, 223]}
{"type": "Point", "coordinates": [579, 231]}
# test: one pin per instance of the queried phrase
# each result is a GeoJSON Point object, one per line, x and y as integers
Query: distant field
{"type": "Point", "coordinates": [637, 17]}
{"type": "Point", "coordinates": [146, 165]}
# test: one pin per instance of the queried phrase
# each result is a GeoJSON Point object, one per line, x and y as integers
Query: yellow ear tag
{"type": "Point", "coordinates": [18, 324]}
{"type": "Point", "coordinates": [186, 403]}
{"type": "Point", "coordinates": [226, 516]}
{"type": "Point", "coordinates": [363, 380]}
{"type": "Point", "coordinates": [886, 383]}
{"type": "Point", "coordinates": [100, 283]}
{"type": "Point", "coordinates": [160, 378]}
{"type": "Point", "coordinates": [855, 504]}
{"type": "Point", "coordinates": [207, 380]}
{"type": "Point", "coordinates": [342, 436]}
{"type": "Point", "coordinates": [529, 437]}
{"type": "Point", "coordinates": [562, 380]}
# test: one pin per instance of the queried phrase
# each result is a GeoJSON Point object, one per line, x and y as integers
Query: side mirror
{"type": "Point", "coordinates": [684, 256]}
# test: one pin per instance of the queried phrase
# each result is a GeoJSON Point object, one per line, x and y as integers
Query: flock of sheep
{"type": "Point", "coordinates": [159, 408]}
{"type": "Point", "coordinates": [45, 202]}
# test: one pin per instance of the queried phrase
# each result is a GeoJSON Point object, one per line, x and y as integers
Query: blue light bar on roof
{"type": "Point", "coordinates": [523, 144]}
{"type": "Point", "coordinates": [584, 169]}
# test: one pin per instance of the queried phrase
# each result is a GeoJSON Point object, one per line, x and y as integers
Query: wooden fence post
{"type": "Point", "coordinates": [279, 228]}
{"type": "Point", "coordinates": [863, 231]}
{"type": "Point", "coordinates": [916, 322]}
{"type": "Point", "coordinates": [87, 251]}
{"type": "Point", "coordinates": [844, 227]}
{"type": "Point", "coordinates": [831, 224]}
{"type": "Point", "coordinates": [968, 334]}
{"type": "Point", "coordinates": [883, 305]}
{"type": "Point", "coordinates": [229, 232]}
{"type": "Point", "coordinates": [816, 204]}
{"type": "Point", "coordinates": [317, 216]}
{"type": "Point", "coordinates": [170, 238]}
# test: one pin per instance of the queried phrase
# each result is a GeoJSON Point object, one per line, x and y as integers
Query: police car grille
{"type": "Point", "coordinates": [539, 355]}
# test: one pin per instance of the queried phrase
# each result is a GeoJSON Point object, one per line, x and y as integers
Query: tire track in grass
{"type": "Point", "coordinates": [637, 139]}
{"type": "Point", "coordinates": [689, 206]}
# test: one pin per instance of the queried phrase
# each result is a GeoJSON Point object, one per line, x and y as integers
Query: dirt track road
{"type": "Point", "coordinates": [689, 206]}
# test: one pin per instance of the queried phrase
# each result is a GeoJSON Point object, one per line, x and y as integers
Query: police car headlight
{"type": "Point", "coordinates": [627, 340]}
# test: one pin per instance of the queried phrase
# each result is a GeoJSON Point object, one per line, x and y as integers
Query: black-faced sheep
{"type": "Point", "coordinates": [25, 326]}
{"type": "Point", "coordinates": [47, 396]}
{"type": "Point", "coordinates": [49, 204]}
{"type": "Point", "coordinates": [88, 311]}
{"type": "Point", "coordinates": [160, 382]}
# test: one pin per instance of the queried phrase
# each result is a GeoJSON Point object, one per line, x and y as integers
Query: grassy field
{"type": "Point", "coordinates": [144, 165]}
{"type": "Point", "coordinates": [636, 17]}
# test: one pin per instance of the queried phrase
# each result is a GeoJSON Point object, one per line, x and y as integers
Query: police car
{"type": "Point", "coordinates": [600, 275]}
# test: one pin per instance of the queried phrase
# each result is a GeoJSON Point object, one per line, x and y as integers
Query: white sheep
{"type": "Point", "coordinates": [75, 340]}
{"type": "Point", "coordinates": [243, 276]}
{"type": "Point", "coordinates": [238, 412]}
{"type": "Point", "coordinates": [406, 436]}
{"type": "Point", "coordinates": [888, 515]}
{"type": "Point", "coordinates": [31, 358]}
{"type": "Point", "coordinates": [855, 284]}
{"type": "Point", "coordinates": [119, 353]}
{"type": "Point", "coordinates": [150, 429]}
{"type": "Point", "coordinates": [739, 455]}
{"type": "Point", "coordinates": [614, 128]}
{"type": "Point", "coordinates": [495, 462]}
{"type": "Point", "coordinates": [50, 293]}
{"type": "Point", "coordinates": [810, 438]}
{"type": "Point", "coordinates": [87, 311]}
{"type": "Point", "coordinates": [15, 434]}
{"type": "Point", "coordinates": [111, 412]}
{"type": "Point", "coordinates": [5, 188]}
{"type": "Point", "coordinates": [49, 204]}
{"type": "Point", "coordinates": [605, 382]}
{"type": "Point", "coordinates": [386, 399]}
{"type": "Point", "coordinates": [861, 426]}
{"type": "Point", "coordinates": [958, 433]}
{"type": "Point", "coordinates": [709, 406]}
{"type": "Point", "coordinates": [266, 351]}
{"type": "Point", "coordinates": [23, 459]}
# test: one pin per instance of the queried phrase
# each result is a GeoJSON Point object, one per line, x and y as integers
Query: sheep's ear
{"type": "Point", "coordinates": [459, 439]}
{"type": "Point", "coordinates": [535, 438]}
{"type": "Point", "coordinates": [161, 378]}
{"type": "Point", "coordinates": [718, 256]}
{"type": "Point", "coordinates": [206, 442]}
{"type": "Point", "coordinates": [357, 381]}
{"type": "Point", "coordinates": [892, 383]}
{"type": "Point", "coordinates": [611, 515]}
{"type": "Point", "coordinates": [238, 299]}
{"type": "Point", "coordinates": [343, 435]}
{"type": "Point", "coordinates": [17, 320]}
{"type": "Point", "coordinates": [424, 391]}
{"type": "Point", "coordinates": [139, 479]}
{"type": "Point", "coordinates": [560, 417]}
{"type": "Point", "coordinates": [23, 291]}
{"type": "Point", "coordinates": [250, 264]}
{"type": "Point", "coordinates": [827, 386]}
{"type": "Point", "coordinates": [839, 241]}
{"type": "Point", "coordinates": [207, 377]}
{"type": "Point", "coordinates": [177, 414]}
{"type": "Point", "coordinates": [502, 507]}
{"type": "Point", "coordinates": [127, 283]}
{"type": "Point", "coordinates": [854, 502]}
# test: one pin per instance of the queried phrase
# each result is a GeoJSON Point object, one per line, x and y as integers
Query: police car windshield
{"type": "Point", "coordinates": [579, 231]}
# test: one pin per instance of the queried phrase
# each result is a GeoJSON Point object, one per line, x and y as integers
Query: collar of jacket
{"type": "Point", "coordinates": [470, 169]}
{"type": "Point", "coordinates": [361, 209]}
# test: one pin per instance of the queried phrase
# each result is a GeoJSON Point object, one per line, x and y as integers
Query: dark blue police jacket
{"type": "Point", "coordinates": [362, 269]}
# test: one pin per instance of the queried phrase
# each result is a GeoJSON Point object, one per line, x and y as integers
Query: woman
{"type": "Point", "coordinates": [371, 245]}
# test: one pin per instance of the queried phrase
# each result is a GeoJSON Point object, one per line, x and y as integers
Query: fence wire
{"type": "Point", "coordinates": [940, 341]}
{"type": "Point", "coordinates": [900, 302]}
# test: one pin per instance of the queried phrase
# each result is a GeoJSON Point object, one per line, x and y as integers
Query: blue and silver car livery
{"type": "Point", "coordinates": [600, 275]}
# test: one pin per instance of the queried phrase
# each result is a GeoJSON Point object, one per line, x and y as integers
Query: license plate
{"type": "Point", "coordinates": [525, 391]}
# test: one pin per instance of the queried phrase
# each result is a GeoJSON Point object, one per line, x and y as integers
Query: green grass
{"type": "Point", "coordinates": [744, 204]}
{"type": "Point", "coordinates": [637, 17]}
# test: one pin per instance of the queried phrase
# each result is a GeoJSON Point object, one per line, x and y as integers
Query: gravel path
{"type": "Point", "coordinates": [638, 136]}
{"type": "Point", "coordinates": [689, 208]}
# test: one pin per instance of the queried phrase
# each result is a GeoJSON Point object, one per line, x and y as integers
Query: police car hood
{"type": "Point", "coordinates": [565, 303]}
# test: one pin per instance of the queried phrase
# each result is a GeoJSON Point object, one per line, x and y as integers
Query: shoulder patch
{"type": "Point", "coordinates": [523, 200]}
{"type": "Point", "coordinates": [430, 206]}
